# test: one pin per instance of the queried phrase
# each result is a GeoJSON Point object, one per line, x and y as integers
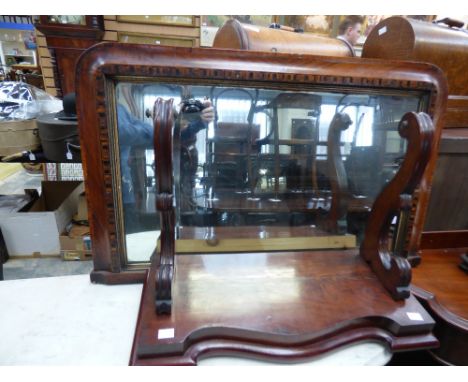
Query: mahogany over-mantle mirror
{"type": "Point", "coordinates": [293, 158]}
{"type": "Point", "coordinates": [290, 190]}
{"type": "Point", "coordinates": [258, 172]}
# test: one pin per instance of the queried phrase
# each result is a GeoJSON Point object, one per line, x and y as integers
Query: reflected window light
{"type": "Point", "coordinates": [364, 135]}
{"type": "Point", "coordinates": [237, 111]}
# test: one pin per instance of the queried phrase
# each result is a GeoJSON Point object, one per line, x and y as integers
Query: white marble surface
{"type": "Point", "coordinates": [70, 321]}
{"type": "Point", "coordinates": [66, 321]}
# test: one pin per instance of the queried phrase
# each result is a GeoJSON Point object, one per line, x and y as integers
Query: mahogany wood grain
{"type": "Point", "coordinates": [66, 42]}
{"type": "Point", "coordinates": [444, 239]}
{"type": "Point", "coordinates": [92, 29]}
{"type": "Point", "coordinates": [235, 35]}
{"type": "Point", "coordinates": [111, 278]}
{"type": "Point", "coordinates": [447, 47]}
{"type": "Point", "coordinates": [282, 307]}
{"type": "Point", "coordinates": [164, 261]}
{"type": "Point", "coordinates": [441, 286]}
{"type": "Point", "coordinates": [409, 39]}
{"type": "Point", "coordinates": [102, 64]}
{"type": "Point", "coordinates": [457, 112]}
{"type": "Point", "coordinates": [393, 269]}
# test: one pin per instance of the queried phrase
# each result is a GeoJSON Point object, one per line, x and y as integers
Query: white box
{"type": "Point", "coordinates": [38, 229]}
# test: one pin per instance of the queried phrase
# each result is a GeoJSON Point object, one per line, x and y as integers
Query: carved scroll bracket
{"type": "Point", "coordinates": [163, 120]}
{"type": "Point", "coordinates": [391, 265]}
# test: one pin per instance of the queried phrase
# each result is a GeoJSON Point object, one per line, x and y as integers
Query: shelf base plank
{"type": "Point", "coordinates": [281, 307]}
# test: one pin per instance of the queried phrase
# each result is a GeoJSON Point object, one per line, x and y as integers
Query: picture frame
{"type": "Point", "coordinates": [176, 20]}
{"type": "Point", "coordinates": [147, 38]}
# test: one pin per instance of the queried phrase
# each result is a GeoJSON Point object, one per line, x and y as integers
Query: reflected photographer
{"type": "Point", "coordinates": [135, 133]}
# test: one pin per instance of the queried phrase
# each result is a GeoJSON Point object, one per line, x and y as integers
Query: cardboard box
{"type": "Point", "coordinates": [18, 136]}
{"type": "Point", "coordinates": [37, 230]}
{"type": "Point", "coordinates": [75, 244]}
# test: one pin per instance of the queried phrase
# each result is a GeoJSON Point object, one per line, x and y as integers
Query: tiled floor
{"type": "Point", "coordinates": [37, 267]}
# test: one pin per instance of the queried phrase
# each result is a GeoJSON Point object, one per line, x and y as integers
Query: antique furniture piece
{"type": "Point", "coordinates": [446, 45]}
{"type": "Point", "coordinates": [111, 231]}
{"type": "Point", "coordinates": [278, 303]}
{"type": "Point", "coordinates": [67, 37]}
{"type": "Point", "coordinates": [235, 35]}
{"type": "Point", "coordinates": [440, 281]}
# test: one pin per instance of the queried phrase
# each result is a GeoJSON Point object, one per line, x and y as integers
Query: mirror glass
{"type": "Point", "coordinates": [260, 169]}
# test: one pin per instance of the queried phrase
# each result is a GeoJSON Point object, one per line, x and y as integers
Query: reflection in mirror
{"type": "Point", "coordinates": [258, 169]}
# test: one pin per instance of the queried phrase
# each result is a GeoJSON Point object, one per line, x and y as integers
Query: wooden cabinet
{"type": "Point", "coordinates": [66, 40]}
{"type": "Point", "coordinates": [444, 45]}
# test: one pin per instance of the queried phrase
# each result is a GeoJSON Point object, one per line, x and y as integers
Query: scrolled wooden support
{"type": "Point", "coordinates": [336, 218]}
{"type": "Point", "coordinates": [392, 267]}
{"type": "Point", "coordinates": [163, 120]}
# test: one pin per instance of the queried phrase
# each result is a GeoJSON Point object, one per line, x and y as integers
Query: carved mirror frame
{"type": "Point", "coordinates": [101, 66]}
